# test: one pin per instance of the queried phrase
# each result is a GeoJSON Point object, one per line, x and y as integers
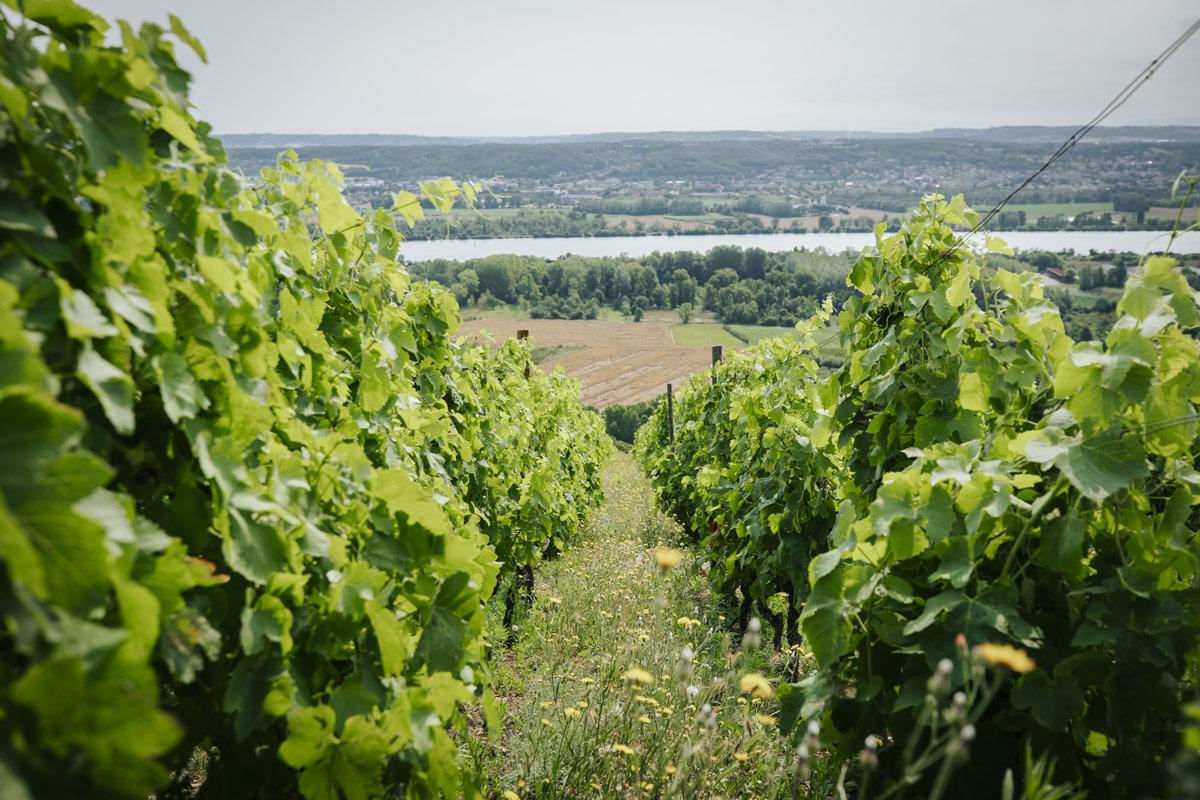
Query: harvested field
{"type": "Point", "coordinates": [611, 375]}
{"type": "Point", "coordinates": [614, 362]}
{"type": "Point", "coordinates": [656, 221]}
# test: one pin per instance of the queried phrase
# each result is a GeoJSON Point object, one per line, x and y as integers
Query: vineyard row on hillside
{"type": "Point", "coordinates": [254, 495]}
{"type": "Point", "coordinates": [984, 530]}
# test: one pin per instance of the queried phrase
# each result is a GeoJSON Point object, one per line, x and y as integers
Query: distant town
{"type": "Point", "coordinates": [740, 182]}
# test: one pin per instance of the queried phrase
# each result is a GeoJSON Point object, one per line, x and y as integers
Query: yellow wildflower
{"type": "Point", "coordinates": [635, 675]}
{"type": "Point", "coordinates": [554, 601]}
{"type": "Point", "coordinates": [648, 786]}
{"type": "Point", "coordinates": [741, 757]}
{"type": "Point", "coordinates": [667, 557]}
{"type": "Point", "coordinates": [670, 770]}
{"type": "Point", "coordinates": [1005, 655]}
{"type": "Point", "coordinates": [623, 748]}
{"type": "Point", "coordinates": [509, 794]}
{"type": "Point", "coordinates": [644, 719]}
{"type": "Point", "coordinates": [760, 687]}
{"type": "Point", "coordinates": [572, 713]}
{"type": "Point", "coordinates": [766, 720]}
{"type": "Point", "coordinates": [546, 722]}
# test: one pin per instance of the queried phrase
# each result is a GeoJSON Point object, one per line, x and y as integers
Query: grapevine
{"type": "Point", "coordinates": [252, 490]}
{"type": "Point", "coordinates": [995, 483]}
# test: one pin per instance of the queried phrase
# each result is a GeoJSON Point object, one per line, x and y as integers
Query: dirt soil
{"type": "Point", "coordinates": [615, 363]}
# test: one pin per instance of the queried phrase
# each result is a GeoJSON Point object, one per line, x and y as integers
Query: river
{"type": "Point", "coordinates": [552, 247]}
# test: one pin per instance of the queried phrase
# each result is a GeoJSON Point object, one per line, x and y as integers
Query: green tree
{"type": "Point", "coordinates": [469, 279]}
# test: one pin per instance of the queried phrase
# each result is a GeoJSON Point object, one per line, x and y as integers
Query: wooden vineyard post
{"type": "Point", "coordinates": [670, 415]}
{"type": "Point", "coordinates": [523, 333]}
{"type": "Point", "coordinates": [718, 352]}
{"type": "Point", "coordinates": [523, 579]}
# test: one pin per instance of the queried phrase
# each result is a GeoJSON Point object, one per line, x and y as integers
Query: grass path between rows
{"type": "Point", "coordinates": [625, 680]}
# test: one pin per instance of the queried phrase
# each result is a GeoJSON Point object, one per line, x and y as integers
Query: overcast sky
{"type": "Point", "coordinates": [518, 67]}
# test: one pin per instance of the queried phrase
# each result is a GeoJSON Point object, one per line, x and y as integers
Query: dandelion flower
{"type": "Point", "coordinates": [635, 675]}
{"type": "Point", "coordinates": [648, 786]}
{"type": "Point", "coordinates": [509, 794]}
{"type": "Point", "coordinates": [572, 713]}
{"type": "Point", "coordinates": [644, 719]}
{"type": "Point", "coordinates": [670, 770]}
{"type": "Point", "coordinates": [757, 685]}
{"type": "Point", "coordinates": [1005, 655]}
{"type": "Point", "coordinates": [766, 720]}
{"type": "Point", "coordinates": [667, 557]}
{"type": "Point", "coordinates": [623, 748]}
{"type": "Point", "coordinates": [554, 601]}
{"type": "Point", "coordinates": [741, 757]}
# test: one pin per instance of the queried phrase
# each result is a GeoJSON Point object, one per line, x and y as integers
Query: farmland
{"type": "Point", "coordinates": [283, 515]}
{"type": "Point", "coordinates": [619, 362]}
{"type": "Point", "coordinates": [704, 335]}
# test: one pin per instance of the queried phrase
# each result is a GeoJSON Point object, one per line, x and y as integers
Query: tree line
{"type": "Point", "coordinates": [739, 285]}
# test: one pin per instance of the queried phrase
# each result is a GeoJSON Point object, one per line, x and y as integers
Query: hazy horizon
{"type": "Point", "coordinates": [687, 132]}
{"type": "Point", "coordinates": [544, 68]}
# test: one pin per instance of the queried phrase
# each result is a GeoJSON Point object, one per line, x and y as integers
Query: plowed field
{"type": "Point", "coordinates": [618, 362]}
